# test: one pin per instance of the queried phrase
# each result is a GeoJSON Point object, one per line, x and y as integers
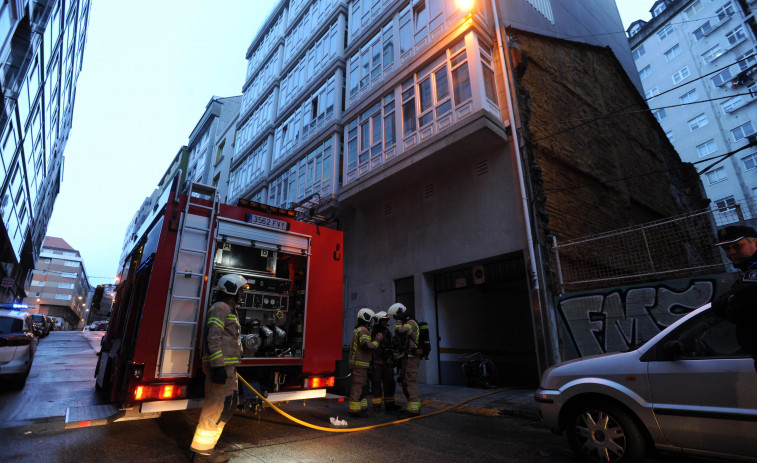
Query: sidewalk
{"type": "Point", "coordinates": [512, 402]}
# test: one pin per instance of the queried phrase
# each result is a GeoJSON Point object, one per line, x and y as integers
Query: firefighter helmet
{"type": "Point", "coordinates": [365, 315]}
{"type": "Point", "coordinates": [231, 284]}
{"type": "Point", "coordinates": [381, 315]}
{"type": "Point", "coordinates": [398, 310]}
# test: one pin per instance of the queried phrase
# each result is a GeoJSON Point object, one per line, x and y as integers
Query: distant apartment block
{"type": "Point", "coordinates": [59, 286]}
{"type": "Point", "coordinates": [697, 64]}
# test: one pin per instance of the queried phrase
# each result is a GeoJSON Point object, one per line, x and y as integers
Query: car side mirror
{"type": "Point", "coordinates": [673, 349]}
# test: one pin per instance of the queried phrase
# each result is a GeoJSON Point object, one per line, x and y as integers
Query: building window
{"type": "Point", "coordinates": [38, 283]}
{"type": "Point", "coordinates": [490, 88]}
{"type": "Point", "coordinates": [707, 147]}
{"type": "Point", "coordinates": [736, 35]}
{"type": "Point", "coordinates": [680, 75]}
{"type": "Point", "coordinates": [689, 96]}
{"type": "Point", "coordinates": [722, 77]}
{"type": "Point", "coordinates": [712, 54]}
{"type": "Point", "coordinates": [743, 131]}
{"type": "Point", "coordinates": [732, 104]}
{"type": "Point", "coordinates": [670, 136]}
{"type": "Point", "coordinates": [700, 32]}
{"type": "Point", "coordinates": [691, 11]}
{"type": "Point", "coordinates": [698, 122]}
{"type": "Point", "coordinates": [750, 162]}
{"type": "Point", "coordinates": [725, 11]}
{"type": "Point", "coordinates": [746, 60]}
{"type": "Point", "coordinates": [716, 175]}
{"type": "Point", "coordinates": [70, 263]}
{"type": "Point", "coordinates": [727, 211]}
{"type": "Point", "coordinates": [665, 31]}
{"type": "Point", "coordinates": [219, 153]}
{"type": "Point", "coordinates": [654, 91]}
{"type": "Point", "coordinates": [659, 9]}
{"type": "Point", "coordinates": [313, 173]}
{"type": "Point", "coordinates": [672, 53]}
{"type": "Point", "coordinates": [646, 72]}
{"type": "Point", "coordinates": [66, 285]}
{"type": "Point", "coordinates": [638, 52]}
{"type": "Point", "coordinates": [46, 260]}
{"type": "Point", "coordinates": [68, 275]}
{"type": "Point", "coordinates": [64, 297]}
{"type": "Point", "coordinates": [659, 114]}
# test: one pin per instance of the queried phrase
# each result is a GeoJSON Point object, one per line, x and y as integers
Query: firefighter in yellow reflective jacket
{"type": "Point", "coordinates": [222, 351]}
{"type": "Point", "coordinates": [361, 352]}
{"type": "Point", "coordinates": [407, 331]}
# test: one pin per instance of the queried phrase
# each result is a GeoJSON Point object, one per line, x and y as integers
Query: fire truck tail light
{"type": "Point", "coordinates": [166, 392]}
{"type": "Point", "coordinates": [157, 392]}
{"type": "Point", "coordinates": [316, 382]}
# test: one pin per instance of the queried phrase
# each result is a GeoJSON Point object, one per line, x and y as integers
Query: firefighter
{"type": "Point", "coordinates": [382, 368]}
{"type": "Point", "coordinates": [407, 331]}
{"type": "Point", "coordinates": [222, 351]}
{"type": "Point", "coordinates": [361, 350]}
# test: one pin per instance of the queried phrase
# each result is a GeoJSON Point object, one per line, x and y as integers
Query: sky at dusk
{"type": "Point", "coordinates": [149, 70]}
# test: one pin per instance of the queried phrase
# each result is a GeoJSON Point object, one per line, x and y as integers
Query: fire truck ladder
{"type": "Point", "coordinates": [187, 282]}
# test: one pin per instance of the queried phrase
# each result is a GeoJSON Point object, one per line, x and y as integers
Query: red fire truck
{"type": "Point", "coordinates": [291, 316]}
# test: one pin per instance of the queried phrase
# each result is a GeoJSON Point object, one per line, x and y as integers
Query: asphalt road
{"type": "Point", "coordinates": [32, 428]}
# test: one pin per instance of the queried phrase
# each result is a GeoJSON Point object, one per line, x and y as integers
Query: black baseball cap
{"type": "Point", "coordinates": [734, 233]}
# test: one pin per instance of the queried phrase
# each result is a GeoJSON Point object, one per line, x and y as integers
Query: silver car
{"type": "Point", "coordinates": [691, 389]}
{"type": "Point", "coordinates": [17, 346]}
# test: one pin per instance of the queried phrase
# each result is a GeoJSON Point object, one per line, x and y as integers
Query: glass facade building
{"type": "Point", "coordinates": [41, 57]}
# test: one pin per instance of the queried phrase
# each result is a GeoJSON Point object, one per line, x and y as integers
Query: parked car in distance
{"type": "Point", "coordinates": [690, 389]}
{"type": "Point", "coordinates": [17, 346]}
{"type": "Point", "coordinates": [41, 324]}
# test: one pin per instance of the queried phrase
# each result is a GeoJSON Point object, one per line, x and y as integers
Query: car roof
{"type": "Point", "coordinates": [14, 313]}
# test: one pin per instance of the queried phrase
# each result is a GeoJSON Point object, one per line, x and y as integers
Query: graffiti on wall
{"type": "Point", "coordinates": [618, 319]}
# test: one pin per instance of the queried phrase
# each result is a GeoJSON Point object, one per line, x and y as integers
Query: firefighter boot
{"type": "Point", "coordinates": [212, 456]}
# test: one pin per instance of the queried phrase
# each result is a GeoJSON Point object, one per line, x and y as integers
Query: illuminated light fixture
{"type": "Point", "coordinates": [315, 382]}
{"type": "Point", "coordinates": [465, 5]}
{"type": "Point", "coordinates": [139, 393]}
{"type": "Point", "coordinates": [166, 392]}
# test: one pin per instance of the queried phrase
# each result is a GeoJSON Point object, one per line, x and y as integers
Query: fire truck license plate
{"type": "Point", "coordinates": [266, 222]}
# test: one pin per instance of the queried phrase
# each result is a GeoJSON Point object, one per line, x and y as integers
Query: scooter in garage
{"type": "Point", "coordinates": [479, 371]}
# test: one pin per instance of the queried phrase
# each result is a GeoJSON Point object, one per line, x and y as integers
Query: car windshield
{"type": "Point", "coordinates": [38, 318]}
{"type": "Point", "coordinates": [10, 325]}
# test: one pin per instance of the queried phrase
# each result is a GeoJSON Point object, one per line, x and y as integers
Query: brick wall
{"type": "Point", "coordinates": [598, 159]}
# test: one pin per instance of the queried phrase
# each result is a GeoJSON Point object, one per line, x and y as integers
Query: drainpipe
{"type": "Point", "coordinates": [544, 355]}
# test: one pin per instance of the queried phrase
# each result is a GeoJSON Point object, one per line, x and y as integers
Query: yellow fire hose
{"type": "Point", "coordinates": [362, 428]}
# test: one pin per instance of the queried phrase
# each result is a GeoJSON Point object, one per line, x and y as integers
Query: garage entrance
{"type": "Point", "coordinates": [485, 308]}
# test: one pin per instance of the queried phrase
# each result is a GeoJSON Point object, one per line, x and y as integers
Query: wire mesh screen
{"type": "Point", "coordinates": [675, 247]}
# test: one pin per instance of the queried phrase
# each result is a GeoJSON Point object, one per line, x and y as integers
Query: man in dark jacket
{"type": "Point", "coordinates": [739, 303]}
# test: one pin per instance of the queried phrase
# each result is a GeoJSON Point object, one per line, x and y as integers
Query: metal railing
{"type": "Point", "coordinates": [674, 247]}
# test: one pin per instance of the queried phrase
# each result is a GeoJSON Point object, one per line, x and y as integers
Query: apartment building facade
{"type": "Point", "coordinates": [41, 50]}
{"type": "Point", "coordinates": [395, 122]}
{"type": "Point", "coordinates": [205, 159]}
{"type": "Point", "coordinates": [59, 285]}
{"type": "Point", "coordinates": [696, 60]}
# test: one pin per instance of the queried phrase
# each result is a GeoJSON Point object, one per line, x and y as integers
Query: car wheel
{"type": "Point", "coordinates": [602, 432]}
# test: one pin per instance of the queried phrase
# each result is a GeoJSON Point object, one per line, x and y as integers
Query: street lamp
{"type": "Point", "coordinates": [465, 5]}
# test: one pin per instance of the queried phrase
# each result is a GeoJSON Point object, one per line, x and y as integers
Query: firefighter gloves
{"type": "Point", "coordinates": [218, 375]}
